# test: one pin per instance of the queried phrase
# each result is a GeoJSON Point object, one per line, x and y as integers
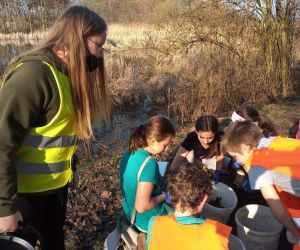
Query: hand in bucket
{"type": "Point", "coordinates": [10, 223]}
{"type": "Point", "coordinates": [292, 238]}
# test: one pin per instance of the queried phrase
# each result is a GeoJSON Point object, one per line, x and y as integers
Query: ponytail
{"type": "Point", "coordinates": [267, 126]}
{"type": "Point", "coordinates": [137, 138]}
{"type": "Point", "coordinates": [157, 127]}
{"type": "Point", "coordinates": [263, 122]}
{"type": "Point", "coordinates": [247, 113]}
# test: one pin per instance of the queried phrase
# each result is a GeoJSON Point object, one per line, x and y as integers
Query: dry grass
{"type": "Point", "coordinates": [125, 36]}
{"type": "Point", "coordinates": [284, 114]}
{"type": "Point", "coordinates": [20, 38]}
{"type": "Point", "coordinates": [189, 81]}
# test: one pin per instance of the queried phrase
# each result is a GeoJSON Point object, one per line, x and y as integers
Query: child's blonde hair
{"type": "Point", "coordinates": [90, 96]}
{"type": "Point", "coordinates": [239, 133]}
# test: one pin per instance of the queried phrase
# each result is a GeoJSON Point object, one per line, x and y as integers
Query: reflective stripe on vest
{"type": "Point", "coordinates": [39, 168]}
{"type": "Point", "coordinates": [210, 235]}
{"type": "Point", "coordinates": [48, 142]}
{"type": "Point", "coordinates": [44, 158]}
{"type": "Point", "coordinates": [282, 156]}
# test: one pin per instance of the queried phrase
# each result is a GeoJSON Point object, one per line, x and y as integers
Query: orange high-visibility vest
{"type": "Point", "coordinates": [282, 156]}
{"type": "Point", "coordinates": [292, 205]}
{"type": "Point", "coordinates": [291, 202]}
{"type": "Point", "coordinates": [167, 234]}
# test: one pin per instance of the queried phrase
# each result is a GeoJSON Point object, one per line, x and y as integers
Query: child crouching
{"type": "Point", "coordinates": [273, 167]}
{"type": "Point", "coordinates": [189, 187]}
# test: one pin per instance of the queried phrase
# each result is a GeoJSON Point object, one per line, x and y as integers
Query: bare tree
{"type": "Point", "coordinates": [273, 23]}
{"type": "Point", "coordinates": [29, 15]}
{"type": "Point", "coordinates": [236, 51]}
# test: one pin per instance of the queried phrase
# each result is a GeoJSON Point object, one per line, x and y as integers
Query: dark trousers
{"type": "Point", "coordinates": [46, 213]}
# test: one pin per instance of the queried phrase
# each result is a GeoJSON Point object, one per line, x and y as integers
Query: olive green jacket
{"type": "Point", "coordinates": [29, 98]}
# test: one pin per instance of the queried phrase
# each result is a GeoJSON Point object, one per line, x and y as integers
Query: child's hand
{"type": "Point", "coordinates": [292, 238]}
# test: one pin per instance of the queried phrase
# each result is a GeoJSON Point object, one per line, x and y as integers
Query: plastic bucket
{"type": "Point", "coordinates": [228, 202]}
{"type": "Point", "coordinates": [234, 243]}
{"type": "Point", "coordinates": [9, 241]}
{"type": "Point", "coordinates": [257, 227]}
{"type": "Point", "coordinates": [190, 157]}
{"type": "Point", "coordinates": [14, 243]}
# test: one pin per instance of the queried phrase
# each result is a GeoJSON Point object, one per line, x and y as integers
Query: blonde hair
{"type": "Point", "coordinates": [238, 133]}
{"type": "Point", "coordinates": [90, 97]}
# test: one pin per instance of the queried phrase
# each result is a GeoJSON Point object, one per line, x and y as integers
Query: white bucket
{"type": "Point", "coordinates": [190, 157]}
{"type": "Point", "coordinates": [257, 227]}
{"type": "Point", "coordinates": [228, 202]}
{"type": "Point", "coordinates": [234, 243]}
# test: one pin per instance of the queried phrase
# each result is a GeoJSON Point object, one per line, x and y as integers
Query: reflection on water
{"type": "Point", "coordinates": [122, 121]}
{"type": "Point", "coordinates": [9, 51]}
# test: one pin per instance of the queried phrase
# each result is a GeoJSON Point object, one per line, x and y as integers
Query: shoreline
{"type": "Point", "coordinates": [21, 38]}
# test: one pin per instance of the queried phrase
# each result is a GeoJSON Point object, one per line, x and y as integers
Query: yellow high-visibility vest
{"type": "Point", "coordinates": [43, 161]}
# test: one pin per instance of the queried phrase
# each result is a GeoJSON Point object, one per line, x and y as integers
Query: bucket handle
{"type": "Point", "coordinates": [29, 228]}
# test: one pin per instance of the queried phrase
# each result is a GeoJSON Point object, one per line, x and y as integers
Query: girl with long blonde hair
{"type": "Point", "coordinates": [50, 96]}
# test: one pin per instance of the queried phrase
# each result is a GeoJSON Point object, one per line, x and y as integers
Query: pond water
{"type": "Point", "coordinates": [117, 134]}
{"type": "Point", "coordinates": [10, 50]}
{"type": "Point", "coordinates": [122, 120]}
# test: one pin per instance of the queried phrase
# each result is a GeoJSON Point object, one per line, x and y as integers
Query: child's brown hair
{"type": "Point", "coordinates": [188, 184]}
{"type": "Point", "coordinates": [207, 123]}
{"type": "Point", "coordinates": [238, 133]}
{"type": "Point", "coordinates": [157, 127]}
{"type": "Point", "coordinates": [264, 123]}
